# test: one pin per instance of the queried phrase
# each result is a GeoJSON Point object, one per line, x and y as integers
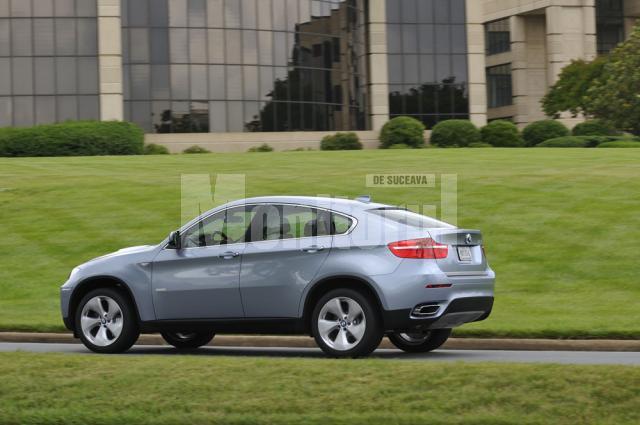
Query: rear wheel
{"type": "Point", "coordinates": [345, 323]}
{"type": "Point", "coordinates": [420, 342]}
{"type": "Point", "coordinates": [188, 340]}
{"type": "Point", "coordinates": [106, 321]}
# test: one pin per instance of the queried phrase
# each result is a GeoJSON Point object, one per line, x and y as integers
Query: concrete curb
{"type": "Point", "coordinates": [306, 342]}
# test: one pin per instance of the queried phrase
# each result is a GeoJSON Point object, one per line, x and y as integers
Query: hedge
{"type": "Point", "coordinates": [153, 149]}
{"type": "Point", "coordinates": [262, 148]}
{"type": "Point", "coordinates": [583, 141]}
{"type": "Point", "coordinates": [501, 133]}
{"type": "Point", "coordinates": [540, 131]}
{"type": "Point", "coordinates": [402, 130]}
{"type": "Point", "coordinates": [195, 149]}
{"type": "Point", "coordinates": [455, 133]}
{"type": "Point", "coordinates": [633, 143]}
{"type": "Point", "coordinates": [341, 142]}
{"type": "Point", "coordinates": [593, 128]}
{"type": "Point", "coordinates": [73, 138]}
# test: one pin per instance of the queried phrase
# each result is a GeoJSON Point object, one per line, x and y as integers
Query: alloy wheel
{"type": "Point", "coordinates": [101, 321]}
{"type": "Point", "coordinates": [341, 323]}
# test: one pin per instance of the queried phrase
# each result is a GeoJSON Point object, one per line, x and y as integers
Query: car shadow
{"type": "Point", "coordinates": [277, 352]}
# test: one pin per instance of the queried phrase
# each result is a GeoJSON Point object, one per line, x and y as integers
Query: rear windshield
{"type": "Point", "coordinates": [410, 218]}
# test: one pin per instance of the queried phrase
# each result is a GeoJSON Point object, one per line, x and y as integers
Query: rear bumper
{"type": "Point", "coordinates": [455, 313]}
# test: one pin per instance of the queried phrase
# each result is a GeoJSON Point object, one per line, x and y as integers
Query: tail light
{"type": "Point", "coordinates": [426, 249]}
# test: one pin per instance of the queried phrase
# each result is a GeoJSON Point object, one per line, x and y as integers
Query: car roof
{"type": "Point", "coordinates": [335, 204]}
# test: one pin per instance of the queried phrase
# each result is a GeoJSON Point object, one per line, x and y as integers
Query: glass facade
{"type": "Point", "coordinates": [609, 24]}
{"type": "Point", "coordinates": [244, 65]}
{"type": "Point", "coordinates": [427, 45]}
{"type": "Point", "coordinates": [48, 61]}
{"type": "Point", "coordinates": [499, 86]}
{"type": "Point", "coordinates": [498, 37]}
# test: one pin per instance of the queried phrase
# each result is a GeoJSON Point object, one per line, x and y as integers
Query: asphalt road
{"type": "Point", "coordinates": [563, 357]}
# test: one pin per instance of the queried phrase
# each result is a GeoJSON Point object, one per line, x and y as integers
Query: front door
{"type": "Point", "coordinates": [202, 279]}
{"type": "Point", "coordinates": [288, 245]}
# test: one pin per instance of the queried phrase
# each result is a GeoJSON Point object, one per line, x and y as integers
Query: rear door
{"type": "Point", "coordinates": [287, 247]}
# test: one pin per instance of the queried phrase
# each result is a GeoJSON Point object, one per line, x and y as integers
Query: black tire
{"type": "Point", "coordinates": [187, 340]}
{"type": "Point", "coordinates": [130, 330]}
{"type": "Point", "coordinates": [373, 332]}
{"type": "Point", "coordinates": [427, 342]}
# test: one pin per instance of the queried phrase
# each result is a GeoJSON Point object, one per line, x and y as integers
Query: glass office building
{"type": "Point", "coordinates": [257, 66]}
{"type": "Point", "coordinates": [48, 61]}
{"type": "Point", "coordinates": [245, 65]}
{"type": "Point", "coordinates": [427, 57]}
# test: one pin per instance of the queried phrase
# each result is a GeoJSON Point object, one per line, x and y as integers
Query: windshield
{"type": "Point", "coordinates": [409, 218]}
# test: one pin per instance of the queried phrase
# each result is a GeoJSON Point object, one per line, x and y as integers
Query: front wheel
{"type": "Point", "coordinates": [420, 342]}
{"type": "Point", "coordinates": [106, 321]}
{"type": "Point", "coordinates": [187, 340]}
{"type": "Point", "coordinates": [345, 323]}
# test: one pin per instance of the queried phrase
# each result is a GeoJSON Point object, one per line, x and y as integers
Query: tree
{"type": "Point", "coordinates": [570, 93]}
{"type": "Point", "coordinates": [615, 95]}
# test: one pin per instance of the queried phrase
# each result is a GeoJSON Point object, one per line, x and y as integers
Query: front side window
{"type": "Point", "coordinates": [226, 227]}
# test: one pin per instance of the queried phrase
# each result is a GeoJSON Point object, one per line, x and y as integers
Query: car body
{"type": "Point", "coordinates": [261, 265]}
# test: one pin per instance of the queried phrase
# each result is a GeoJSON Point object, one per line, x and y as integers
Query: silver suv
{"type": "Point", "coordinates": [346, 272]}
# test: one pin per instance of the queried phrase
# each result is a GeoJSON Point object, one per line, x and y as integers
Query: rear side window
{"type": "Point", "coordinates": [409, 218]}
{"type": "Point", "coordinates": [341, 224]}
{"type": "Point", "coordinates": [273, 222]}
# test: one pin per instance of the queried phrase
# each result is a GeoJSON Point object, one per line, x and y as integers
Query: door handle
{"type": "Point", "coordinates": [313, 249]}
{"type": "Point", "coordinates": [228, 255]}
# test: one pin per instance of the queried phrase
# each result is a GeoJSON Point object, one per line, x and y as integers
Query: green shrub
{"type": "Point", "coordinates": [341, 142]}
{"type": "Point", "coordinates": [262, 148]}
{"type": "Point", "coordinates": [565, 142]}
{"type": "Point", "coordinates": [539, 131]}
{"type": "Point", "coordinates": [196, 149]}
{"type": "Point", "coordinates": [501, 134]}
{"type": "Point", "coordinates": [402, 130]}
{"type": "Point", "coordinates": [593, 128]}
{"type": "Point", "coordinates": [480, 145]}
{"type": "Point", "coordinates": [579, 141]}
{"type": "Point", "coordinates": [400, 146]}
{"type": "Point", "coordinates": [153, 149]}
{"type": "Point", "coordinates": [73, 138]}
{"type": "Point", "coordinates": [455, 133]}
{"type": "Point", "coordinates": [629, 143]}
{"type": "Point", "coordinates": [299, 150]}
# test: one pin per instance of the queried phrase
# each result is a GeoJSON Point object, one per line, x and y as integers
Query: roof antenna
{"type": "Point", "coordinates": [366, 199]}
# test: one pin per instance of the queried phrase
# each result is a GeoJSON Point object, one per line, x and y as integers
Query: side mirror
{"type": "Point", "coordinates": [175, 240]}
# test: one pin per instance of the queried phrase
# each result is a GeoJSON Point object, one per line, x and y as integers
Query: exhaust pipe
{"type": "Point", "coordinates": [425, 310]}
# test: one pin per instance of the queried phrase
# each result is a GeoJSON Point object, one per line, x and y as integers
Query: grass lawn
{"type": "Point", "coordinates": [561, 225]}
{"type": "Point", "coordinates": [79, 389]}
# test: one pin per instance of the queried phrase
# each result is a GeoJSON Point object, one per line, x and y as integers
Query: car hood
{"type": "Point", "coordinates": [124, 251]}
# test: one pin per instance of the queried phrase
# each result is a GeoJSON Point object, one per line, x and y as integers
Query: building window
{"type": "Point", "coordinates": [499, 86]}
{"type": "Point", "coordinates": [48, 62]}
{"type": "Point", "coordinates": [609, 24]}
{"type": "Point", "coordinates": [498, 37]}
{"type": "Point", "coordinates": [427, 44]}
{"type": "Point", "coordinates": [244, 65]}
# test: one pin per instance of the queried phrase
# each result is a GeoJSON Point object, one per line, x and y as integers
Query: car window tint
{"type": "Point", "coordinates": [274, 222]}
{"type": "Point", "coordinates": [305, 222]}
{"type": "Point", "coordinates": [341, 224]}
{"type": "Point", "coordinates": [223, 228]}
{"type": "Point", "coordinates": [410, 218]}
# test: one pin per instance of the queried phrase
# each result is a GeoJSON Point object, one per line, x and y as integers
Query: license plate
{"type": "Point", "coordinates": [464, 253]}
